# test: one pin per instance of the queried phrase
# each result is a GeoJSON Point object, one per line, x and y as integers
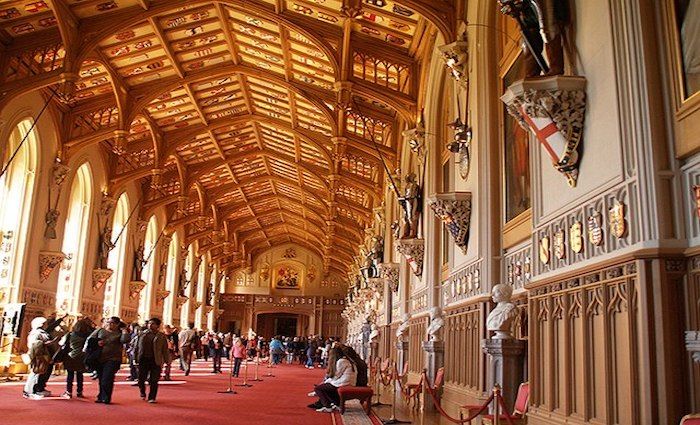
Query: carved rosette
{"type": "Point", "coordinates": [99, 278]}
{"type": "Point", "coordinates": [181, 300]}
{"type": "Point", "coordinates": [390, 272]}
{"type": "Point", "coordinates": [413, 250]}
{"type": "Point", "coordinates": [135, 288]}
{"type": "Point", "coordinates": [454, 209]}
{"type": "Point", "coordinates": [161, 295]}
{"type": "Point", "coordinates": [48, 261]}
{"type": "Point", "coordinates": [553, 109]}
{"type": "Point", "coordinates": [456, 57]}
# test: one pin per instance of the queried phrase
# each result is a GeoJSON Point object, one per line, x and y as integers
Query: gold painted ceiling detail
{"type": "Point", "coordinates": [254, 123]}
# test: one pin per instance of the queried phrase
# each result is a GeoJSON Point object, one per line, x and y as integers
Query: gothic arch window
{"type": "Point", "coordinates": [171, 280]}
{"type": "Point", "coordinates": [75, 241]}
{"type": "Point", "coordinates": [117, 259]}
{"type": "Point", "coordinates": [201, 288]}
{"type": "Point", "coordinates": [185, 311]}
{"type": "Point", "coordinates": [16, 189]}
{"type": "Point", "coordinates": [149, 272]}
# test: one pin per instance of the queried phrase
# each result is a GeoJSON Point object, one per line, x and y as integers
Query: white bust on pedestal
{"type": "Point", "coordinates": [374, 333]}
{"type": "Point", "coordinates": [402, 330]}
{"type": "Point", "coordinates": [436, 324]}
{"type": "Point", "coordinates": [501, 318]}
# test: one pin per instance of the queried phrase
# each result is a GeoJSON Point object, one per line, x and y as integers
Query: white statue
{"type": "Point", "coordinates": [402, 330]}
{"type": "Point", "coordinates": [501, 318]}
{"type": "Point", "coordinates": [436, 323]}
{"type": "Point", "coordinates": [374, 333]}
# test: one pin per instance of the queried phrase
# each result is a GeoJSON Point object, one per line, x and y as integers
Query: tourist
{"type": "Point", "coordinates": [111, 340]}
{"type": "Point", "coordinates": [351, 354]}
{"type": "Point", "coordinates": [228, 342]}
{"type": "Point", "coordinates": [135, 329]}
{"type": "Point", "coordinates": [340, 374]}
{"type": "Point", "coordinates": [238, 352]}
{"type": "Point", "coordinates": [252, 344]}
{"type": "Point", "coordinates": [188, 343]}
{"type": "Point", "coordinates": [311, 349]}
{"type": "Point", "coordinates": [75, 361]}
{"type": "Point", "coordinates": [151, 354]}
{"type": "Point", "coordinates": [204, 340]}
{"type": "Point", "coordinates": [171, 335]}
{"type": "Point", "coordinates": [276, 350]}
{"type": "Point", "coordinates": [216, 351]}
{"type": "Point", "coordinates": [40, 367]}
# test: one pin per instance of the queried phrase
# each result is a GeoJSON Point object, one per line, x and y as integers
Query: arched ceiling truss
{"type": "Point", "coordinates": [253, 123]}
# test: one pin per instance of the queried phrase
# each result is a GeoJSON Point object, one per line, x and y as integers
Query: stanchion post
{"type": "Point", "coordinates": [393, 419]}
{"type": "Point", "coordinates": [245, 377]}
{"type": "Point", "coordinates": [497, 406]}
{"type": "Point", "coordinates": [257, 364]}
{"type": "Point", "coordinates": [229, 390]}
{"type": "Point", "coordinates": [378, 384]}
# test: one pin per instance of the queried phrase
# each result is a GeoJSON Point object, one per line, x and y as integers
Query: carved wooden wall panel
{"type": "Point", "coordinates": [583, 345]}
{"type": "Point", "coordinates": [464, 330]}
{"type": "Point", "coordinates": [692, 320]}
{"type": "Point", "coordinates": [416, 336]}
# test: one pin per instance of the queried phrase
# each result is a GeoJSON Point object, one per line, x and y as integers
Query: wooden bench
{"type": "Point", "coordinates": [364, 394]}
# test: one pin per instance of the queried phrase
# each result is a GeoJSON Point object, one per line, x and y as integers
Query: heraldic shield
{"type": "Point", "coordinates": [553, 109]}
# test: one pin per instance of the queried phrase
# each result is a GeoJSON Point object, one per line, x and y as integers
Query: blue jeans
{"type": "Point", "coordinates": [105, 374]}
{"type": "Point", "coordinates": [310, 360]}
{"type": "Point", "coordinates": [78, 378]}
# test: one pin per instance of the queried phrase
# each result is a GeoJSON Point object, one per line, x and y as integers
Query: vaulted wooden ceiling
{"type": "Point", "coordinates": [254, 123]}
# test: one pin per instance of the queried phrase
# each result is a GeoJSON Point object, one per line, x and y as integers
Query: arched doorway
{"type": "Point", "coordinates": [289, 324]}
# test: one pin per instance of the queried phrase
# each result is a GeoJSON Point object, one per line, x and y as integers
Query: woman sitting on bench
{"type": "Point", "coordinates": [340, 373]}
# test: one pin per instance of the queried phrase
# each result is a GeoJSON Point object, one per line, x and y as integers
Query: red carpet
{"type": "Point", "coordinates": [188, 400]}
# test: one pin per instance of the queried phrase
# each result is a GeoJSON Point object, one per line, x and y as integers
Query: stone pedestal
{"type": "Point", "coordinates": [401, 354]}
{"type": "Point", "coordinates": [434, 360]}
{"type": "Point", "coordinates": [373, 351]}
{"type": "Point", "coordinates": [506, 365]}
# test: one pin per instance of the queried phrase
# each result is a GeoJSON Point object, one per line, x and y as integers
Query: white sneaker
{"type": "Point", "coordinates": [325, 410]}
{"type": "Point", "coordinates": [36, 396]}
{"type": "Point", "coordinates": [312, 394]}
{"type": "Point", "coordinates": [334, 407]}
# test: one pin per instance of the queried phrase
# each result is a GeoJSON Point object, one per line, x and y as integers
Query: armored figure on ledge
{"type": "Point", "coordinates": [105, 246]}
{"type": "Point", "coordinates": [411, 204]}
{"type": "Point", "coordinates": [139, 262]}
{"type": "Point", "coordinates": [542, 24]}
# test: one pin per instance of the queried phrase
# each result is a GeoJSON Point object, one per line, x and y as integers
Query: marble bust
{"type": "Point", "coordinates": [402, 331]}
{"type": "Point", "coordinates": [501, 318]}
{"type": "Point", "coordinates": [436, 324]}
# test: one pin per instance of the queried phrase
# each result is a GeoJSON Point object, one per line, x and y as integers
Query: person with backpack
{"type": "Point", "coordinates": [188, 340]}
{"type": "Point", "coordinates": [40, 366]}
{"type": "Point", "coordinates": [74, 361]}
{"type": "Point", "coordinates": [110, 340]}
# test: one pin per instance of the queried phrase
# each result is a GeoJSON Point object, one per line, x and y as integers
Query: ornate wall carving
{"type": "Point", "coordinates": [609, 243]}
{"type": "Point", "coordinates": [517, 266]}
{"type": "Point", "coordinates": [463, 284]}
{"type": "Point", "coordinates": [582, 339]}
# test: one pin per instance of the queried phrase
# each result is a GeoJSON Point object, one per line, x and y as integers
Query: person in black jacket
{"type": "Point", "coordinates": [75, 361]}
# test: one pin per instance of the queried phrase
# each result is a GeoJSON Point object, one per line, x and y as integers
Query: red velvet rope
{"type": "Point", "coordinates": [484, 406]}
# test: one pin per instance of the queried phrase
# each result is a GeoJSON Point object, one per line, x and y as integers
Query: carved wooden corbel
{"type": "Point", "coordinates": [454, 210]}
{"type": "Point", "coordinates": [413, 250]}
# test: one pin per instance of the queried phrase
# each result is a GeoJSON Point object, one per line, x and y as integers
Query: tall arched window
{"type": "Point", "coordinates": [16, 190]}
{"type": "Point", "coordinates": [171, 280]}
{"type": "Point", "coordinates": [117, 258]}
{"type": "Point", "coordinates": [201, 288]}
{"type": "Point", "coordinates": [185, 311]}
{"type": "Point", "coordinates": [75, 241]}
{"type": "Point", "coordinates": [149, 272]}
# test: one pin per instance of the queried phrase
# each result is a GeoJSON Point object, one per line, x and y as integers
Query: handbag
{"type": "Point", "coordinates": [92, 351]}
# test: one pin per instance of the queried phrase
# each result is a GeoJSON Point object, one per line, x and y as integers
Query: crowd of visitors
{"type": "Point", "coordinates": [150, 349]}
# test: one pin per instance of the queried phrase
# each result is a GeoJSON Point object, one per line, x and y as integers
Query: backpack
{"type": "Point", "coordinates": [92, 351]}
{"type": "Point", "coordinates": [40, 357]}
{"type": "Point", "coordinates": [62, 354]}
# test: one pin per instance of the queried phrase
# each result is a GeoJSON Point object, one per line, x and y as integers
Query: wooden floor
{"type": "Point", "coordinates": [409, 415]}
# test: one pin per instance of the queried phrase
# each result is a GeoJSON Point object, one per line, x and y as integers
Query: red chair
{"type": "Point", "coordinates": [364, 394]}
{"type": "Point", "coordinates": [517, 417]}
{"type": "Point", "coordinates": [692, 419]}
